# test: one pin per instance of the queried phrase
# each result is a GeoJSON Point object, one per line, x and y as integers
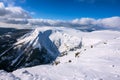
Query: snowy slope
{"type": "Point", "coordinates": [61, 37]}
{"type": "Point", "coordinates": [40, 46]}
{"type": "Point", "coordinates": [83, 55]}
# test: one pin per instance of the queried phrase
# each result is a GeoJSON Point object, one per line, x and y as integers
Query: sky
{"type": "Point", "coordinates": [69, 13]}
{"type": "Point", "coordinates": [68, 9]}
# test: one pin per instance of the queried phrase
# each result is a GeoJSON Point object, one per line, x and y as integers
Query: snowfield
{"type": "Point", "coordinates": [80, 56]}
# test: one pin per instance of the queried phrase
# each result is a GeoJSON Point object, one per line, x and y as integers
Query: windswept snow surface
{"type": "Point", "coordinates": [88, 55]}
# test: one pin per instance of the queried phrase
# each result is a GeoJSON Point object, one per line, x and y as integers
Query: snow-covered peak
{"type": "Point", "coordinates": [62, 38]}
{"type": "Point", "coordinates": [42, 46]}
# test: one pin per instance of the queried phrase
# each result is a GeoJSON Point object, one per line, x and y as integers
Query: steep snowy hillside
{"type": "Point", "coordinates": [40, 46]}
{"type": "Point", "coordinates": [70, 54]}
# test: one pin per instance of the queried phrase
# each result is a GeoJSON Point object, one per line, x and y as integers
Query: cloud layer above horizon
{"type": "Point", "coordinates": [17, 15]}
{"type": "Point", "coordinates": [86, 23]}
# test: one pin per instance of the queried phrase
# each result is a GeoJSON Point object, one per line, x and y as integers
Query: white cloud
{"type": "Point", "coordinates": [12, 2]}
{"type": "Point", "coordinates": [43, 21]}
{"type": "Point", "coordinates": [113, 22]}
{"type": "Point", "coordinates": [12, 12]}
{"type": "Point", "coordinates": [17, 15]}
{"type": "Point", "coordinates": [2, 9]}
{"type": "Point", "coordinates": [32, 13]}
{"type": "Point", "coordinates": [1, 5]}
{"type": "Point", "coordinates": [84, 21]}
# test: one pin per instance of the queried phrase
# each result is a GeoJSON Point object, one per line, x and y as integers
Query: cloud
{"type": "Point", "coordinates": [85, 24]}
{"type": "Point", "coordinates": [17, 15]}
{"type": "Point", "coordinates": [12, 2]}
{"type": "Point", "coordinates": [8, 2]}
{"type": "Point", "coordinates": [84, 21]}
{"type": "Point", "coordinates": [14, 21]}
{"type": "Point", "coordinates": [113, 22]}
{"type": "Point", "coordinates": [2, 9]}
{"type": "Point", "coordinates": [12, 12]}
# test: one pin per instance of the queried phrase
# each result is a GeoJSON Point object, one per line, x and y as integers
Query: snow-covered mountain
{"type": "Point", "coordinates": [40, 46]}
{"type": "Point", "coordinates": [69, 54]}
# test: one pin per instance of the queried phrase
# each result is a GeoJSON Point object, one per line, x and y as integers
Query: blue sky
{"type": "Point", "coordinates": [70, 9]}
